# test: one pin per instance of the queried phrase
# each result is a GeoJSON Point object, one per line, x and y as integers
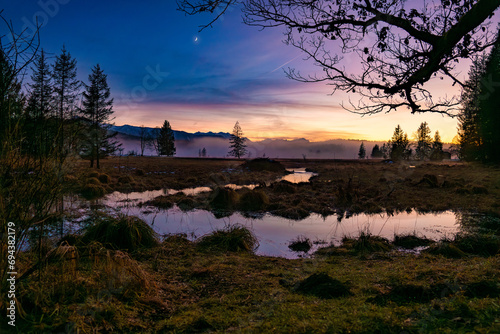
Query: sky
{"type": "Point", "coordinates": [160, 67]}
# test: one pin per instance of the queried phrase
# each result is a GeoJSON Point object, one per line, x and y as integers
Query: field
{"type": "Point", "coordinates": [115, 281]}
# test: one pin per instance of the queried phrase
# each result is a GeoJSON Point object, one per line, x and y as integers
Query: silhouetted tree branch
{"type": "Point", "coordinates": [399, 47]}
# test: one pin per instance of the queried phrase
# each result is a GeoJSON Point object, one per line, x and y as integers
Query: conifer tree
{"type": "Point", "coordinates": [97, 115]}
{"type": "Point", "coordinates": [424, 141]}
{"type": "Point", "coordinates": [237, 142]}
{"type": "Point", "coordinates": [362, 151]}
{"type": "Point", "coordinates": [166, 140]}
{"type": "Point", "coordinates": [66, 92]}
{"type": "Point", "coordinates": [437, 148]}
{"type": "Point", "coordinates": [399, 145]}
{"type": "Point", "coordinates": [489, 116]}
{"type": "Point", "coordinates": [40, 130]}
{"type": "Point", "coordinates": [376, 152]}
{"type": "Point", "coordinates": [468, 128]}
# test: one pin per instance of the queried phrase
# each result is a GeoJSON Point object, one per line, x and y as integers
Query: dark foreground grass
{"type": "Point", "coordinates": [180, 287]}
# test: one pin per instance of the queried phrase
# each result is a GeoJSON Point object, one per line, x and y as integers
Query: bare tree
{"type": "Point", "coordinates": [399, 45]}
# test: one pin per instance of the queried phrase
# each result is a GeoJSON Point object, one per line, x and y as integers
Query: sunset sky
{"type": "Point", "coordinates": [160, 67]}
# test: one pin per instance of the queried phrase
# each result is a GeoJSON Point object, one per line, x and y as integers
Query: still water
{"type": "Point", "coordinates": [275, 233]}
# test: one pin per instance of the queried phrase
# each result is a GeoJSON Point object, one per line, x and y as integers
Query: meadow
{"type": "Point", "coordinates": [118, 275]}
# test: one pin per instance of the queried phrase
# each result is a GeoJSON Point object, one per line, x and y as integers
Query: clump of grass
{"type": "Point", "coordinates": [123, 232]}
{"type": "Point", "coordinates": [284, 187]}
{"type": "Point", "coordinates": [300, 244]}
{"type": "Point", "coordinates": [93, 180]}
{"type": "Point", "coordinates": [92, 191]}
{"type": "Point", "coordinates": [224, 199]}
{"type": "Point", "coordinates": [139, 172]}
{"type": "Point", "coordinates": [104, 178]}
{"type": "Point", "coordinates": [367, 243]}
{"type": "Point", "coordinates": [323, 286]}
{"type": "Point", "coordinates": [253, 200]}
{"type": "Point", "coordinates": [430, 180]}
{"type": "Point", "coordinates": [410, 241]}
{"type": "Point", "coordinates": [446, 249]}
{"type": "Point", "coordinates": [125, 179]}
{"type": "Point", "coordinates": [231, 239]}
{"type": "Point", "coordinates": [483, 289]}
{"type": "Point", "coordinates": [295, 213]}
{"type": "Point", "coordinates": [93, 174]}
{"type": "Point", "coordinates": [263, 164]}
{"type": "Point", "coordinates": [478, 244]}
{"type": "Point", "coordinates": [161, 202]}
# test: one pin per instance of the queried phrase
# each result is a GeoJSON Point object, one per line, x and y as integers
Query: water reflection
{"type": "Point", "coordinates": [298, 175]}
{"type": "Point", "coordinates": [275, 233]}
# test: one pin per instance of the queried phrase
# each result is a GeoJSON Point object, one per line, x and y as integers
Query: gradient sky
{"type": "Point", "coordinates": [160, 67]}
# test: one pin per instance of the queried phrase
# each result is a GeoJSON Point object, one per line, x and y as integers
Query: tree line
{"type": "Point", "coordinates": [399, 146]}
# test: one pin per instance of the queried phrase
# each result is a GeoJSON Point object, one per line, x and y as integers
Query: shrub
{"type": "Point", "coordinates": [123, 232]}
{"type": "Point", "coordinates": [231, 239]}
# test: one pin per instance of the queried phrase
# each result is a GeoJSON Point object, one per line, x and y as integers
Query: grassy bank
{"type": "Point", "coordinates": [218, 285]}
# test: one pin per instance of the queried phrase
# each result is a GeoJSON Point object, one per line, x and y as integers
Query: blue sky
{"type": "Point", "coordinates": [160, 67]}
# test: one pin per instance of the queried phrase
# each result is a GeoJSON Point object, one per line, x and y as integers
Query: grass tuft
{"type": "Point", "coordinates": [124, 232]}
{"type": "Point", "coordinates": [301, 244]}
{"type": "Point", "coordinates": [231, 239]}
{"type": "Point", "coordinates": [254, 200]}
{"type": "Point", "coordinates": [263, 164]}
{"type": "Point", "coordinates": [224, 199]}
{"type": "Point", "coordinates": [410, 241]}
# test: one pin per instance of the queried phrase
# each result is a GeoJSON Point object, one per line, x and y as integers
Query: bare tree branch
{"type": "Point", "coordinates": [400, 47]}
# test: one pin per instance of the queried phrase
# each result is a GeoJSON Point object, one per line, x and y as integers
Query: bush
{"type": "Point", "coordinates": [254, 200]}
{"type": "Point", "coordinates": [231, 239]}
{"type": "Point", "coordinates": [122, 232]}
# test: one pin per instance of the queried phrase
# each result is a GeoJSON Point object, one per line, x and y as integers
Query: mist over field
{"type": "Point", "coordinates": [218, 147]}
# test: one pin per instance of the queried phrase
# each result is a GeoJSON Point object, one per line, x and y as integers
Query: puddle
{"type": "Point", "coordinates": [298, 175]}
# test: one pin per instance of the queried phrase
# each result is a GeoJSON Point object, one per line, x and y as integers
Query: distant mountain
{"type": "Point", "coordinates": [135, 131]}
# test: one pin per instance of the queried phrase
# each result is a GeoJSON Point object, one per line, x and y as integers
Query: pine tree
{"type": "Point", "coordinates": [204, 152]}
{"type": "Point", "coordinates": [237, 142]}
{"type": "Point", "coordinates": [362, 151]}
{"type": "Point", "coordinates": [468, 129]}
{"type": "Point", "coordinates": [96, 113]}
{"type": "Point", "coordinates": [424, 141]}
{"type": "Point", "coordinates": [399, 145]}
{"type": "Point", "coordinates": [40, 130]}
{"type": "Point", "coordinates": [66, 92]}
{"type": "Point", "coordinates": [166, 140]}
{"type": "Point", "coordinates": [489, 116]}
{"type": "Point", "coordinates": [437, 148]}
{"type": "Point", "coordinates": [376, 152]}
